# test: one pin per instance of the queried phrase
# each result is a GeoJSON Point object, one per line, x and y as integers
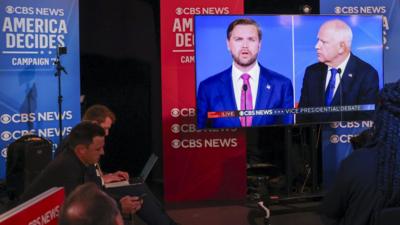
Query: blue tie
{"type": "Point", "coordinates": [330, 90]}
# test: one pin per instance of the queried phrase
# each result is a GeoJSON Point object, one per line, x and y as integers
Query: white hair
{"type": "Point", "coordinates": [342, 30]}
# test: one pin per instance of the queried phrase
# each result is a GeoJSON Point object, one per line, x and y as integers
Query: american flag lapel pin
{"type": "Point", "coordinates": [268, 87]}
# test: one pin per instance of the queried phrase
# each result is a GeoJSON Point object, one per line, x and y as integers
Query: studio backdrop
{"type": "Point", "coordinates": [198, 165]}
{"type": "Point", "coordinates": [31, 33]}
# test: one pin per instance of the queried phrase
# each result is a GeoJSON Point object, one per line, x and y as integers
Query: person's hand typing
{"type": "Point", "coordinates": [117, 176]}
{"type": "Point", "coordinates": [122, 174]}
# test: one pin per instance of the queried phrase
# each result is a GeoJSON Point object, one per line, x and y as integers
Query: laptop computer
{"type": "Point", "coordinates": [141, 178]}
{"type": "Point", "coordinates": [146, 170]}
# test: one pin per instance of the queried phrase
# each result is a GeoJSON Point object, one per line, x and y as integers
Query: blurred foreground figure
{"type": "Point", "coordinates": [368, 181]}
{"type": "Point", "coordinates": [88, 205]}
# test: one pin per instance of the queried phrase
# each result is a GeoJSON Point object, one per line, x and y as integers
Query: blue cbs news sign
{"type": "Point", "coordinates": [31, 34]}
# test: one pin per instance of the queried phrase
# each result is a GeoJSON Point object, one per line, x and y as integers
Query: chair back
{"type": "Point", "coordinates": [26, 158]}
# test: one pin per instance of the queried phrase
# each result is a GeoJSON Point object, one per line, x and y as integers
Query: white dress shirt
{"type": "Point", "coordinates": [238, 83]}
{"type": "Point", "coordinates": [342, 67]}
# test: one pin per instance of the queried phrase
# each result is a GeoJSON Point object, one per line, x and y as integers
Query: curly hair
{"type": "Point", "coordinates": [386, 134]}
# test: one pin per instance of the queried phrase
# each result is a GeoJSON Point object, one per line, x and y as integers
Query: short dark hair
{"type": "Point", "coordinates": [98, 113]}
{"type": "Point", "coordinates": [88, 205]}
{"type": "Point", "coordinates": [83, 133]}
{"type": "Point", "coordinates": [243, 21]}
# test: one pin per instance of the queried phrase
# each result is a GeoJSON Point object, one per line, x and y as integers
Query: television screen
{"type": "Point", "coordinates": [268, 70]}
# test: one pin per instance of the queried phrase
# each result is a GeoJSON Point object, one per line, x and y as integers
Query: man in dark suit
{"type": "Point", "coordinates": [246, 85]}
{"type": "Point", "coordinates": [74, 166]}
{"type": "Point", "coordinates": [339, 78]}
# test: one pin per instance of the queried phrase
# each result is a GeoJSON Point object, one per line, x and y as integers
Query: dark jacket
{"type": "Point", "coordinates": [359, 86]}
{"type": "Point", "coordinates": [66, 170]}
{"type": "Point", "coordinates": [354, 194]}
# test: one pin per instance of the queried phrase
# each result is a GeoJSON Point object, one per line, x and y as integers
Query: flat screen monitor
{"type": "Point", "coordinates": [271, 70]}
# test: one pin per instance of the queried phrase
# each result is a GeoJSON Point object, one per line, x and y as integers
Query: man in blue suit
{"type": "Point", "coordinates": [246, 85]}
{"type": "Point", "coordinates": [339, 78]}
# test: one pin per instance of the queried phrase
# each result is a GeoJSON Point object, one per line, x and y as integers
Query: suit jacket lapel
{"type": "Point", "coordinates": [263, 93]}
{"type": "Point", "coordinates": [345, 82]}
{"type": "Point", "coordinates": [321, 84]}
{"type": "Point", "coordinates": [227, 95]}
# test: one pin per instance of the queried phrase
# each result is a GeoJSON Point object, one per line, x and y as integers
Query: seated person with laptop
{"type": "Point", "coordinates": [60, 173]}
{"type": "Point", "coordinates": [104, 117]}
{"type": "Point", "coordinates": [75, 166]}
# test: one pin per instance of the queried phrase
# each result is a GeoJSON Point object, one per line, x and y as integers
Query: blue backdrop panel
{"type": "Point", "coordinates": [336, 146]}
{"type": "Point", "coordinates": [334, 153]}
{"type": "Point", "coordinates": [30, 33]}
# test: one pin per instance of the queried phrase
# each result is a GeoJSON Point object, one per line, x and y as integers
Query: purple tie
{"type": "Point", "coordinates": [246, 101]}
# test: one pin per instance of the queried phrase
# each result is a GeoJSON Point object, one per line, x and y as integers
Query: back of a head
{"type": "Point", "coordinates": [98, 113]}
{"type": "Point", "coordinates": [88, 205]}
{"type": "Point", "coordinates": [387, 136]}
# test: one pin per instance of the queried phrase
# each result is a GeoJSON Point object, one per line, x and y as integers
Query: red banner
{"type": "Point", "coordinates": [43, 209]}
{"type": "Point", "coordinates": [198, 164]}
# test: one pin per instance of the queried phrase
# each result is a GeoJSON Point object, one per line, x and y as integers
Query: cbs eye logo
{"type": "Point", "coordinates": [5, 118]}
{"type": "Point", "coordinates": [334, 139]}
{"type": "Point", "coordinates": [175, 112]}
{"type": "Point", "coordinates": [179, 11]}
{"type": "Point", "coordinates": [175, 128]}
{"type": "Point", "coordinates": [9, 9]}
{"type": "Point", "coordinates": [6, 136]}
{"type": "Point", "coordinates": [4, 152]}
{"type": "Point", "coordinates": [335, 125]}
{"type": "Point", "coordinates": [175, 144]}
